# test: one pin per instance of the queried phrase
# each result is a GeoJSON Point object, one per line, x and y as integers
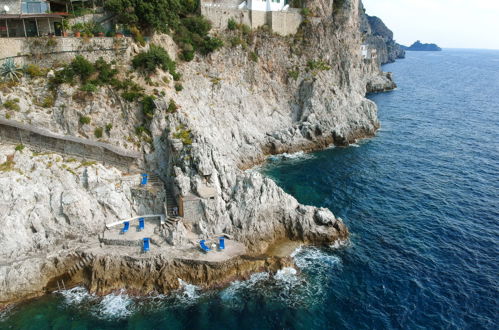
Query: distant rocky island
{"type": "Point", "coordinates": [419, 46]}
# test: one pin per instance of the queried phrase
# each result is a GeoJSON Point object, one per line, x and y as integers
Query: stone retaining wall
{"type": "Point", "coordinates": [86, 149]}
{"type": "Point", "coordinates": [46, 51]}
{"type": "Point", "coordinates": [281, 22]}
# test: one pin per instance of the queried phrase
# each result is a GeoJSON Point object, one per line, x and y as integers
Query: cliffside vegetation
{"type": "Point", "coordinates": [178, 17]}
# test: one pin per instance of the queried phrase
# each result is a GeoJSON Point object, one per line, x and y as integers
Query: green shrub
{"type": "Point", "coordinates": [197, 24]}
{"type": "Point", "coordinates": [20, 147]}
{"type": "Point", "coordinates": [178, 87]}
{"type": "Point", "coordinates": [98, 132]}
{"type": "Point", "coordinates": [65, 76]}
{"type": "Point", "coordinates": [157, 15]}
{"type": "Point", "coordinates": [48, 101]}
{"type": "Point", "coordinates": [35, 71]}
{"type": "Point", "coordinates": [51, 42]}
{"type": "Point", "coordinates": [82, 67]}
{"type": "Point", "coordinates": [305, 12]}
{"type": "Point", "coordinates": [12, 104]}
{"type": "Point", "coordinates": [178, 17]}
{"type": "Point", "coordinates": [253, 56]}
{"type": "Point", "coordinates": [89, 88]}
{"type": "Point", "coordinates": [137, 36]}
{"type": "Point", "coordinates": [231, 24]}
{"type": "Point", "coordinates": [155, 57]}
{"type": "Point", "coordinates": [85, 120]}
{"type": "Point", "coordinates": [183, 134]}
{"type": "Point", "coordinates": [172, 106]}
{"type": "Point", "coordinates": [80, 11]}
{"type": "Point", "coordinates": [105, 70]}
{"type": "Point", "coordinates": [78, 27]}
{"type": "Point", "coordinates": [319, 65]}
{"type": "Point", "coordinates": [235, 41]}
{"type": "Point", "coordinates": [210, 44]}
{"type": "Point", "coordinates": [131, 96]}
{"type": "Point", "coordinates": [176, 76]}
{"type": "Point", "coordinates": [294, 74]}
{"type": "Point", "coordinates": [109, 127]}
{"type": "Point", "coordinates": [139, 130]}
{"type": "Point", "coordinates": [148, 106]}
{"type": "Point", "coordinates": [245, 29]}
{"type": "Point", "coordinates": [187, 55]}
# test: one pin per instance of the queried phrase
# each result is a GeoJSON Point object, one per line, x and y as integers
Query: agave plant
{"type": "Point", "coordinates": [10, 71]}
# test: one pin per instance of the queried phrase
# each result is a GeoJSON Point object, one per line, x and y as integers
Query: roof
{"type": "Point", "coordinates": [41, 131]}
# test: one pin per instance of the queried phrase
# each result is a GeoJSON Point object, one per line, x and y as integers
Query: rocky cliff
{"type": "Point", "coordinates": [271, 95]}
{"type": "Point", "coordinates": [379, 36]}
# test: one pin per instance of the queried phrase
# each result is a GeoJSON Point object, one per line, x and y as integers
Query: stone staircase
{"type": "Point", "coordinates": [154, 180]}
{"type": "Point", "coordinates": [84, 260]}
{"type": "Point", "coordinates": [171, 202]}
{"type": "Point", "coordinates": [171, 222]}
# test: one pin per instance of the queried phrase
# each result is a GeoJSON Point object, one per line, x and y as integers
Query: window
{"type": "Point", "coordinates": [34, 7]}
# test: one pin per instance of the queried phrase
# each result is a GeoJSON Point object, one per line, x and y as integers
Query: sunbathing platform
{"type": "Point", "coordinates": [133, 235]}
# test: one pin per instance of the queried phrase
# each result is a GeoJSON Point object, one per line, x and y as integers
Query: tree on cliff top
{"type": "Point", "coordinates": [178, 17]}
{"type": "Point", "coordinates": [156, 15]}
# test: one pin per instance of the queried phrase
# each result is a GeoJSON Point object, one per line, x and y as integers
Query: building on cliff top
{"type": "Point", "coordinates": [277, 14]}
{"type": "Point", "coordinates": [31, 18]}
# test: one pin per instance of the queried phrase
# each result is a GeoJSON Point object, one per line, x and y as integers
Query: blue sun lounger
{"type": "Point", "coordinates": [145, 248]}
{"type": "Point", "coordinates": [144, 179]}
{"type": "Point", "coordinates": [141, 224]}
{"type": "Point", "coordinates": [221, 243]}
{"type": "Point", "coordinates": [203, 246]}
{"type": "Point", "coordinates": [125, 227]}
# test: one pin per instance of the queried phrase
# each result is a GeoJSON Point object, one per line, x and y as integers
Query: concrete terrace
{"type": "Point", "coordinates": [130, 243]}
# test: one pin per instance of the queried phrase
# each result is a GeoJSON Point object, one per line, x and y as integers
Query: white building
{"type": "Point", "coordinates": [276, 14]}
{"type": "Point", "coordinates": [267, 5]}
{"type": "Point", "coordinates": [363, 50]}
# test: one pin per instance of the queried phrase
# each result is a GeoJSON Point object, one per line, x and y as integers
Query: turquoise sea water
{"type": "Point", "coordinates": [421, 200]}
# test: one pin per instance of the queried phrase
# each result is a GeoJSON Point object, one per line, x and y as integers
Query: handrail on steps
{"type": "Point", "coordinates": [160, 216]}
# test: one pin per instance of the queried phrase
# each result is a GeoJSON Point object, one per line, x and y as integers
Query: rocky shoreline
{"type": "Point", "coordinates": [301, 93]}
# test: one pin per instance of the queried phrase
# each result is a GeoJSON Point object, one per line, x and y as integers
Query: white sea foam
{"type": "Point", "coordinates": [311, 257]}
{"type": "Point", "coordinates": [188, 293]}
{"type": "Point", "coordinates": [115, 306]}
{"type": "Point", "coordinates": [287, 277]}
{"type": "Point", "coordinates": [234, 295]}
{"type": "Point", "coordinates": [340, 244]}
{"type": "Point", "coordinates": [297, 155]}
{"type": "Point", "coordinates": [76, 295]}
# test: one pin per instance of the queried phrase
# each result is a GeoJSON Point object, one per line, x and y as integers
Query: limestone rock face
{"type": "Point", "coordinates": [47, 200]}
{"type": "Point", "coordinates": [238, 111]}
{"type": "Point", "coordinates": [49, 206]}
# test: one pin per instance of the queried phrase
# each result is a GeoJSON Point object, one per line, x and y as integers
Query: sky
{"type": "Point", "coordinates": [448, 23]}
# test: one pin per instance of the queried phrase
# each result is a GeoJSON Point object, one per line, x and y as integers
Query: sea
{"type": "Point", "coordinates": [421, 201]}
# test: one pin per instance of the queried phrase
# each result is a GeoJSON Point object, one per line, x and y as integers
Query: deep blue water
{"type": "Point", "coordinates": [421, 200]}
